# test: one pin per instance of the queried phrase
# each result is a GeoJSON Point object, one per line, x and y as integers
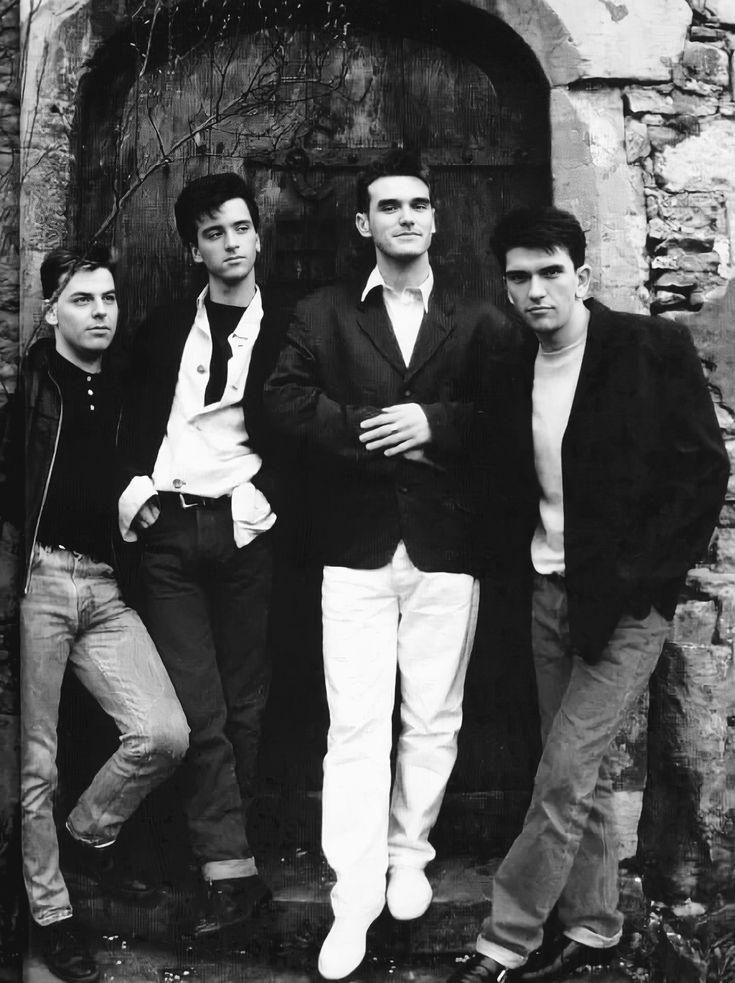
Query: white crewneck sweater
{"type": "Point", "coordinates": [554, 383]}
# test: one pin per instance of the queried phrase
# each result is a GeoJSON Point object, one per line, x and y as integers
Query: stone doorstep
{"type": "Point", "coordinates": [300, 913]}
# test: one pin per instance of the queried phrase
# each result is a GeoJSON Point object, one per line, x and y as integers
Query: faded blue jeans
{"type": "Point", "coordinates": [566, 853]}
{"type": "Point", "coordinates": [73, 614]}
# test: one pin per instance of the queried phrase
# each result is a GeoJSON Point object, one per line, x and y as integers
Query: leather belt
{"type": "Point", "coordinates": [183, 501]}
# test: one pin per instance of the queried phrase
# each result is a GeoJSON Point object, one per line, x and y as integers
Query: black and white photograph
{"type": "Point", "coordinates": [367, 526]}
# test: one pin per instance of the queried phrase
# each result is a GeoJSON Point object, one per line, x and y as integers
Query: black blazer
{"type": "Point", "coordinates": [341, 364]}
{"type": "Point", "coordinates": [644, 472]}
{"type": "Point", "coordinates": [153, 374]}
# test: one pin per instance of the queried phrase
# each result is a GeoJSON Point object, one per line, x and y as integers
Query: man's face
{"type": "Point", "coordinates": [400, 219]}
{"type": "Point", "coordinates": [545, 288]}
{"type": "Point", "coordinates": [84, 316]}
{"type": "Point", "coordinates": [227, 243]}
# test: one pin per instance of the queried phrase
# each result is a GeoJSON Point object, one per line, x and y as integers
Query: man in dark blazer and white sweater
{"type": "Point", "coordinates": [630, 472]}
{"type": "Point", "coordinates": [198, 491]}
{"type": "Point", "coordinates": [399, 396]}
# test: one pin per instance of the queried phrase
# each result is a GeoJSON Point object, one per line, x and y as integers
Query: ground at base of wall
{"type": "Point", "coordinates": [125, 960]}
{"type": "Point", "coordinates": [125, 963]}
{"type": "Point", "coordinates": [150, 944]}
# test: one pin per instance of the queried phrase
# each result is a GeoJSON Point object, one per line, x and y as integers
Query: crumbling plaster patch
{"type": "Point", "coordinates": [721, 10]}
{"type": "Point", "coordinates": [704, 162]}
{"type": "Point", "coordinates": [592, 179]}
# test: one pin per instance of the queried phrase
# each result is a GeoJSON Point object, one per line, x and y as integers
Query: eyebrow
{"type": "Point", "coordinates": [396, 201]}
{"type": "Point", "coordinates": [87, 293]}
{"type": "Point", "coordinates": [551, 268]}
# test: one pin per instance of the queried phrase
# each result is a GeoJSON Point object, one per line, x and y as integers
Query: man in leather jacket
{"type": "Point", "coordinates": [61, 440]}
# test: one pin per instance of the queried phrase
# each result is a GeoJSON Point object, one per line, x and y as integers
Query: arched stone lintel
{"type": "Point", "coordinates": [598, 39]}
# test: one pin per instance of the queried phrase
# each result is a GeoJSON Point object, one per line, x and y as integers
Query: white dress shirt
{"type": "Point", "coordinates": [406, 308]}
{"type": "Point", "coordinates": [205, 450]}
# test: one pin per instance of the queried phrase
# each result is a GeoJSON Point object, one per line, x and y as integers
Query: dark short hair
{"type": "Point", "coordinates": [545, 228]}
{"type": "Point", "coordinates": [403, 163]}
{"type": "Point", "coordinates": [205, 195]}
{"type": "Point", "coordinates": [60, 265]}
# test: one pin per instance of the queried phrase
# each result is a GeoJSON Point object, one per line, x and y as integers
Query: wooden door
{"type": "Point", "coordinates": [298, 113]}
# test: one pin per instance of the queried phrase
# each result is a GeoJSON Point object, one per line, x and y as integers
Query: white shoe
{"type": "Point", "coordinates": [409, 893]}
{"type": "Point", "coordinates": [344, 948]}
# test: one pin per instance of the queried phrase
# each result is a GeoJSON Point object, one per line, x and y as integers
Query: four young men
{"type": "Point", "coordinates": [424, 421]}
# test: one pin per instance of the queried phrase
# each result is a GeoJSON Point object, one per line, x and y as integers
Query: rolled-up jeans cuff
{"type": "Point", "coordinates": [52, 917]}
{"type": "Point", "coordinates": [219, 870]}
{"type": "Point", "coordinates": [97, 842]}
{"type": "Point", "coordinates": [585, 936]}
{"type": "Point", "coordinates": [511, 960]}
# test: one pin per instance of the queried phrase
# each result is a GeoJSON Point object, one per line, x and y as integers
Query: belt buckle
{"type": "Point", "coordinates": [187, 505]}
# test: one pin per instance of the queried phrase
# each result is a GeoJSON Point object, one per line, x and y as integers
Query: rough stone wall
{"type": "Point", "coordinates": [9, 183]}
{"type": "Point", "coordinates": [9, 307]}
{"type": "Point", "coordinates": [680, 141]}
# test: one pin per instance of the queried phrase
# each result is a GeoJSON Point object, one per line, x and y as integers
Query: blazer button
{"type": "Point", "coordinates": [402, 489]}
{"type": "Point", "coordinates": [407, 392]}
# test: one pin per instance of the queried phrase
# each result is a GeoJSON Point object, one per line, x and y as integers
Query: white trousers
{"type": "Point", "coordinates": [376, 622]}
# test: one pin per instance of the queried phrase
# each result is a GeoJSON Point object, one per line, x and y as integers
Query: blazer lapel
{"type": "Point", "coordinates": [600, 337]}
{"type": "Point", "coordinates": [373, 321]}
{"type": "Point", "coordinates": [435, 327]}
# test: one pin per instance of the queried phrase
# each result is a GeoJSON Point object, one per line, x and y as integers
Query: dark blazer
{"type": "Point", "coordinates": [644, 471]}
{"type": "Point", "coordinates": [153, 374]}
{"type": "Point", "coordinates": [341, 364]}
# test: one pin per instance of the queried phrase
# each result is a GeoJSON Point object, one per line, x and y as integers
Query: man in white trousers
{"type": "Point", "coordinates": [398, 396]}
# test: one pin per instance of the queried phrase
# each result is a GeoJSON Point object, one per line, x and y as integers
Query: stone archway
{"type": "Point", "coordinates": [583, 51]}
{"type": "Point", "coordinates": [454, 83]}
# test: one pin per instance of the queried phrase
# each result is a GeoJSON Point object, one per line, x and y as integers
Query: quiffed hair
{"type": "Point", "coordinates": [546, 228]}
{"type": "Point", "coordinates": [205, 195]}
{"type": "Point", "coordinates": [60, 265]}
{"type": "Point", "coordinates": [395, 163]}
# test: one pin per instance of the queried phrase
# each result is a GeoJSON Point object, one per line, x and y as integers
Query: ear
{"type": "Point", "coordinates": [584, 278]}
{"type": "Point", "coordinates": [433, 220]}
{"type": "Point", "coordinates": [257, 243]}
{"type": "Point", "coordinates": [195, 254]}
{"type": "Point", "coordinates": [363, 225]}
{"type": "Point", "coordinates": [508, 293]}
{"type": "Point", "coordinates": [50, 314]}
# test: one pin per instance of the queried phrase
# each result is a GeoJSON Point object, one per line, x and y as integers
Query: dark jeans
{"type": "Point", "coordinates": [207, 609]}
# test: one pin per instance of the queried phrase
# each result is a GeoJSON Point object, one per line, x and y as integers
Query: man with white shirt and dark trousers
{"type": "Point", "coordinates": [398, 392]}
{"type": "Point", "coordinates": [630, 475]}
{"type": "Point", "coordinates": [199, 497]}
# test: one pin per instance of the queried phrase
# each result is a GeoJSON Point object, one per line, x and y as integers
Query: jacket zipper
{"type": "Point", "coordinates": [27, 584]}
{"type": "Point", "coordinates": [114, 553]}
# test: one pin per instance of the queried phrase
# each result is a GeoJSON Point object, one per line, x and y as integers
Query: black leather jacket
{"type": "Point", "coordinates": [28, 447]}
